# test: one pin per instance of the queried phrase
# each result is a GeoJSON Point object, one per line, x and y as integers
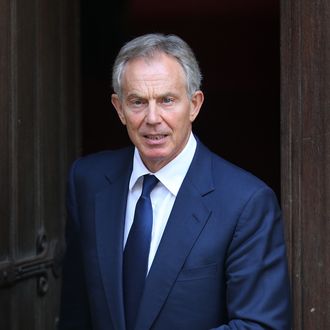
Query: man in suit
{"type": "Point", "coordinates": [215, 255]}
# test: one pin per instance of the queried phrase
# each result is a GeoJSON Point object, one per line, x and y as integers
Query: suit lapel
{"type": "Point", "coordinates": [188, 218]}
{"type": "Point", "coordinates": [110, 207]}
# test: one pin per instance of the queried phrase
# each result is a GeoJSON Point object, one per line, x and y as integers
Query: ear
{"type": "Point", "coordinates": [116, 102]}
{"type": "Point", "coordinates": [196, 103]}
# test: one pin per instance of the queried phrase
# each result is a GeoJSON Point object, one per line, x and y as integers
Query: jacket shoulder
{"type": "Point", "coordinates": [229, 177]}
{"type": "Point", "coordinates": [107, 161]}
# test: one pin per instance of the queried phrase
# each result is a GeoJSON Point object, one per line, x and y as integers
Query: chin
{"type": "Point", "coordinates": [155, 153]}
{"type": "Point", "coordinates": [155, 160]}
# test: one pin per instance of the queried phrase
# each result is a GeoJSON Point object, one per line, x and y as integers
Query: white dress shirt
{"type": "Point", "coordinates": [162, 196]}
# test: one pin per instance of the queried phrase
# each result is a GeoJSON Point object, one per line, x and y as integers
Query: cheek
{"type": "Point", "coordinates": [178, 119]}
{"type": "Point", "coordinates": [183, 122]}
{"type": "Point", "coordinates": [133, 122]}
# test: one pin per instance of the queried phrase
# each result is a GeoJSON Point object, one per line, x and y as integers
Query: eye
{"type": "Point", "coordinates": [137, 102]}
{"type": "Point", "coordinates": [168, 100]}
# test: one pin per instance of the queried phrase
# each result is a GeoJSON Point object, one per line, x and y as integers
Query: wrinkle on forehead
{"type": "Point", "coordinates": [157, 76]}
{"type": "Point", "coordinates": [150, 87]}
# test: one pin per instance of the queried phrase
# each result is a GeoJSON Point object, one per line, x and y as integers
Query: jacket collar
{"type": "Point", "coordinates": [110, 207]}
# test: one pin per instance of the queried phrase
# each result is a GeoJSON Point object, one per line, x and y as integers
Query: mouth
{"type": "Point", "coordinates": [155, 137]}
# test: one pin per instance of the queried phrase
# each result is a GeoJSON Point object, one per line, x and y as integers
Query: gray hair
{"type": "Point", "coordinates": [150, 44]}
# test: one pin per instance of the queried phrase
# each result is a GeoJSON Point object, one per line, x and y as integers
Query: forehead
{"type": "Point", "coordinates": [159, 70]}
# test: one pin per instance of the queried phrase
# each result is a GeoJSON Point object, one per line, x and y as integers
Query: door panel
{"type": "Point", "coordinates": [305, 113]}
{"type": "Point", "coordinates": [39, 138]}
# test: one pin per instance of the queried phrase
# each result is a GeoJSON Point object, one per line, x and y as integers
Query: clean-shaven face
{"type": "Point", "coordinates": [156, 109]}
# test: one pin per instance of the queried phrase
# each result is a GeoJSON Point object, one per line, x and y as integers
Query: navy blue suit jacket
{"type": "Point", "coordinates": [221, 262]}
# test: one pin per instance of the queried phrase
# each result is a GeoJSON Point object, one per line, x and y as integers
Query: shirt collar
{"type": "Point", "coordinates": [172, 174]}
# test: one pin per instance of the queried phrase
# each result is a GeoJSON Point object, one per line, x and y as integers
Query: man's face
{"type": "Point", "coordinates": [156, 109]}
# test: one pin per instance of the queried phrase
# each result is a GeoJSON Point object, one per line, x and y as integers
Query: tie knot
{"type": "Point", "coordinates": [149, 183]}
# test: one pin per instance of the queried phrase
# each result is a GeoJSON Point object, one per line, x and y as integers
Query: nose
{"type": "Point", "coordinates": [153, 113]}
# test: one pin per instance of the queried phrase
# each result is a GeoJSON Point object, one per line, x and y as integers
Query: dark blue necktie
{"type": "Point", "coordinates": [136, 252]}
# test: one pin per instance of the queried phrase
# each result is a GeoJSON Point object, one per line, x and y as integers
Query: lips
{"type": "Point", "coordinates": [155, 137]}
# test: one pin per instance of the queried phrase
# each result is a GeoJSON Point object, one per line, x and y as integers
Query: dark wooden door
{"type": "Point", "coordinates": [305, 62]}
{"type": "Point", "coordinates": [39, 137]}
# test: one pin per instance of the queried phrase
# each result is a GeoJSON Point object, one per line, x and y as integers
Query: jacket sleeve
{"type": "Point", "coordinates": [258, 291]}
{"type": "Point", "coordinates": [74, 309]}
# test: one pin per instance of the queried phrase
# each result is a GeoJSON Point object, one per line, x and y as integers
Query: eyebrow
{"type": "Point", "coordinates": [132, 96]}
{"type": "Point", "coordinates": [169, 94]}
